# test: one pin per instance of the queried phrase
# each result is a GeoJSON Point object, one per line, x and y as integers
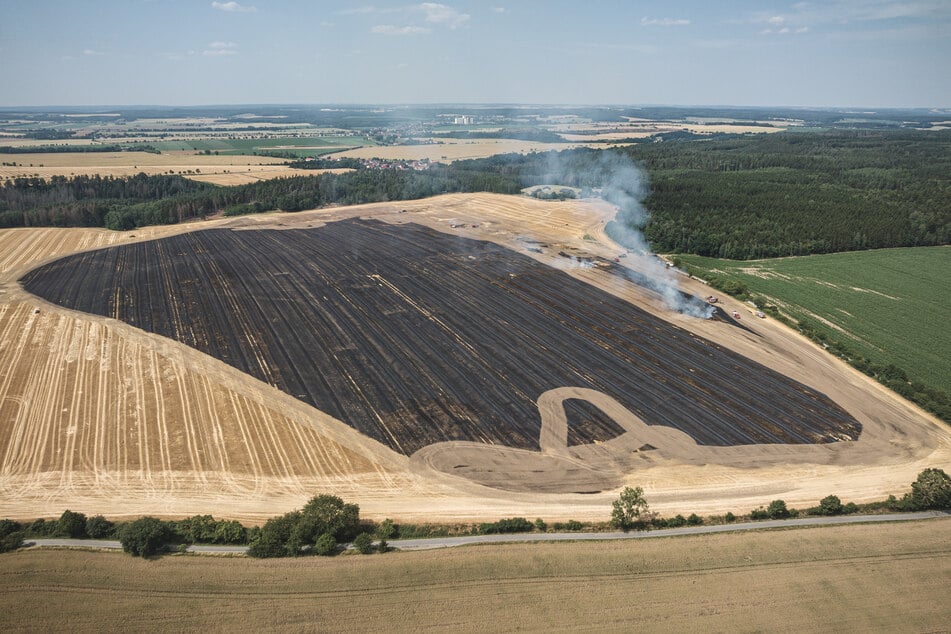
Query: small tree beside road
{"type": "Point", "coordinates": [631, 510]}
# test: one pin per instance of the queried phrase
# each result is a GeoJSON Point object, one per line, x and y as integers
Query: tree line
{"type": "Point", "coordinates": [326, 521]}
{"type": "Point", "coordinates": [126, 203]}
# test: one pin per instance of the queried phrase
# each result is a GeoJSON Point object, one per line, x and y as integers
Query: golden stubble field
{"type": "Point", "coordinates": [100, 417]}
{"type": "Point", "coordinates": [220, 170]}
{"type": "Point", "coordinates": [862, 578]}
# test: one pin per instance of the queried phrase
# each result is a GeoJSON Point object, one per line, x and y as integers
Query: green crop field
{"type": "Point", "coordinates": [298, 146]}
{"type": "Point", "coordinates": [892, 306]}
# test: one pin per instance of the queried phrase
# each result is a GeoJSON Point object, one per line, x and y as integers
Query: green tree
{"type": "Point", "coordinates": [325, 545]}
{"type": "Point", "coordinates": [329, 514]}
{"type": "Point", "coordinates": [363, 543]}
{"type": "Point", "coordinates": [279, 537]}
{"type": "Point", "coordinates": [932, 490]}
{"type": "Point", "coordinates": [630, 509]}
{"type": "Point", "coordinates": [777, 510]}
{"type": "Point", "coordinates": [98, 527]}
{"type": "Point", "coordinates": [145, 536]}
{"type": "Point", "coordinates": [230, 532]}
{"type": "Point", "coordinates": [830, 505]}
{"type": "Point", "coordinates": [11, 535]}
{"type": "Point", "coordinates": [71, 524]}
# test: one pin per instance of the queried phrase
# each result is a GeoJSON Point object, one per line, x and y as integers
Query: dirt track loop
{"type": "Point", "coordinates": [469, 306]}
{"type": "Point", "coordinates": [415, 337]}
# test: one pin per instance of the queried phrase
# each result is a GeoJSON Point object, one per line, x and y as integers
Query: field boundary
{"type": "Point", "coordinates": [473, 540]}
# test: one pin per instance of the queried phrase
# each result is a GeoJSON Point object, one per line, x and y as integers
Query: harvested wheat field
{"type": "Point", "coordinates": [219, 170]}
{"type": "Point", "coordinates": [448, 150]}
{"type": "Point", "coordinates": [845, 578]}
{"type": "Point", "coordinates": [464, 357]}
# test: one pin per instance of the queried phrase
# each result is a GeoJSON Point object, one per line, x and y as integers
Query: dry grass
{"type": "Point", "coordinates": [455, 149]}
{"type": "Point", "coordinates": [884, 577]}
{"type": "Point", "coordinates": [131, 163]}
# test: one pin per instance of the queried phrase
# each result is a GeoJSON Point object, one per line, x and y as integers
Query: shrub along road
{"type": "Point", "coordinates": [447, 542]}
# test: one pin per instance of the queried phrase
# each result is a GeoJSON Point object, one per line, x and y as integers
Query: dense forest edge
{"type": "Point", "coordinates": [747, 197]}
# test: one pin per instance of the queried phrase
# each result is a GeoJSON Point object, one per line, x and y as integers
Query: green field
{"type": "Point", "coordinates": [300, 147]}
{"type": "Point", "coordinates": [892, 306]}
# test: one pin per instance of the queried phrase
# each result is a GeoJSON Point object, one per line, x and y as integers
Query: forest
{"type": "Point", "coordinates": [757, 196]}
{"type": "Point", "coordinates": [798, 194]}
{"type": "Point", "coordinates": [126, 203]}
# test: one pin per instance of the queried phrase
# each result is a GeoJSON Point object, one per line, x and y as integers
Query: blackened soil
{"type": "Point", "coordinates": [413, 336]}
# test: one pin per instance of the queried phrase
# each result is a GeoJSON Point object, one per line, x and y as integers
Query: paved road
{"type": "Point", "coordinates": [447, 542]}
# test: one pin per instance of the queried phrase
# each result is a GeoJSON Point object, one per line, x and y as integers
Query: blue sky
{"type": "Point", "coordinates": [874, 53]}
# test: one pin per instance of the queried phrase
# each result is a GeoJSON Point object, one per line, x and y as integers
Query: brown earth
{"type": "Point", "coordinates": [863, 578]}
{"type": "Point", "coordinates": [101, 417]}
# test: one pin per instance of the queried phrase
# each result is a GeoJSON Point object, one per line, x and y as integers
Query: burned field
{"type": "Point", "coordinates": [415, 337]}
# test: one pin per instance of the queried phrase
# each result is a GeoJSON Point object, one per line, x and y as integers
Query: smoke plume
{"type": "Point", "coordinates": [617, 179]}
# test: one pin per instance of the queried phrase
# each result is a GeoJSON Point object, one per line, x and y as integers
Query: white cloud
{"type": "Point", "coordinates": [645, 21]}
{"type": "Point", "coordinates": [91, 52]}
{"type": "Point", "coordinates": [500, 10]}
{"type": "Point", "coordinates": [359, 11]}
{"type": "Point", "coordinates": [220, 49]}
{"type": "Point", "coordinates": [839, 12]}
{"type": "Point", "coordinates": [441, 14]}
{"type": "Point", "coordinates": [233, 7]}
{"type": "Point", "coordinates": [390, 29]}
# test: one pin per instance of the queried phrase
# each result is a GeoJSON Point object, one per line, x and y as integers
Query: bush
{"type": "Point", "coordinates": [830, 505]}
{"type": "Point", "coordinates": [98, 527]}
{"type": "Point", "coordinates": [676, 521]}
{"type": "Point", "coordinates": [41, 528]}
{"type": "Point", "coordinates": [325, 545]}
{"type": "Point", "coordinates": [279, 537]}
{"type": "Point", "coordinates": [386, 529]}
{"type": "Point", "coordinates": [363, 543]}
{"type": "Point", "coordinates": [541, 525]}
{"type": "Point", "coordinates": [777, 510]}
{"type": "Point", "coordinates": [144, 537]}
{"type": "Point", "coordinates": [72, 525]}
{"type": "Point", "coordinates": [729, 518]}
{"type": "Point", "coordinates": [759, 514]}
{"type": "Point", "coordinates": [694, 520]}
{"type": "Point", "coordinates": [11, 535]}
{"type": "Point", "coordinates": [511, 525]}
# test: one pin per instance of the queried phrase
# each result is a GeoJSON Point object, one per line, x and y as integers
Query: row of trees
{"type": "Point", "coordinates": [126, 203]}
{"type": "Point", "coordinates": [931, 490]}
{"type": "Point", "coordinates": [326, 521]}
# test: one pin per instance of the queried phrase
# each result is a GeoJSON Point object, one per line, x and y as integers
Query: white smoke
{"type": "Point", "coordinates": [616, 178]}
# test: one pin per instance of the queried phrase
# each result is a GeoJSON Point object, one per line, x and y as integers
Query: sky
{"type": "Point", "coordinates": [826, 53]}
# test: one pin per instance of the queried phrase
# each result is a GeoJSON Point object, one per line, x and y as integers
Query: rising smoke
{"type": "Point", "coordinates": [617, 179]}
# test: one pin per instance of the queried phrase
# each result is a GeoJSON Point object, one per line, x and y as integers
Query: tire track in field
{"type": "Point", "coordinates": [80, 403]}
